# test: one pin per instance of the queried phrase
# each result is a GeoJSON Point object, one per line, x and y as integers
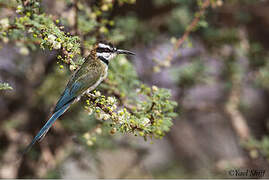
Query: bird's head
{"type": "Point", "coordinates": [106, 52]}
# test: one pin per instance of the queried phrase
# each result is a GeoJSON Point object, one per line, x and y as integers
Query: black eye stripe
{"type": "Point", "coordinates": [100, 50]}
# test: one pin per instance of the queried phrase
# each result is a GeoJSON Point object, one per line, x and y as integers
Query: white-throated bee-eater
{"type": "Point", "coordinates": [92, 72]}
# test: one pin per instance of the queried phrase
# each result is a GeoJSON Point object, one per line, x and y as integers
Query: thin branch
{"type": "Point", "coordinates": [187, 32]}
{"type": "Point", "coordinates": [103, 107]}
{"type": "Point", "coordinates": [122, 100]}
{"type": "Point", "coordinates": [237, 120]}
{"type": "Point", "coordinates": [107, 110]}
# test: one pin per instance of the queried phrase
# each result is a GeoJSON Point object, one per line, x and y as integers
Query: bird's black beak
{"type": "Point", "coordinates": [121, 51]}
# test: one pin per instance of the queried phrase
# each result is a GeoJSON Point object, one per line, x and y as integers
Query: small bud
{"type": "Point", "coordinates": [110, 100]}
{"type": "Point", "coordinates": [173, 40]}
{"type": "Point", "coordinates": [157, 112]}
{"type": "Point", "coordinates": [69, 46]}
{"type": "Point", "coordinates": [89, 143]}
{"type": "Point", "coordinates": [72, 67]}
{"type": "Point", "coordinates": [141, 133]}
{"type": "Point", "coordinates": [121, 113]}
{"type": "Point", "coordinates": [113, 107]}
{"type": "Point", "coordinates": [28, 14]}
{"type": "Point", "coordinates": [104, 7]}
{"type": "Point", "coordinates": [219, 3]}
{"type": "Point", "coordinates": [99, 115]}
{"type": "Point", "coordinates": [103, 29]}
{"type": "Point", "coordinates": [87, 136]}
{"type": "Point", "coordinates": [56, 45]}
{"type": "Point", "coordinates": [58, 39]}
{"type": "Point", "coordinates": [156, 69]}
{"type": "Point", "coordinates": [93, 15]}
{"type": "Point", "coordinates": [145, 121]}
{"type": "Point", "coordinates": [51, 38]}
{"type": "Point", "coordinates": [24, 51]}
{"type": "Point", "coordinates": [113, 131]}
{"type": "Point", "coordinates": [155, 88]}
{"type": "Point", "coordinates": [4, 23]}
{"type": "Point", "coordinates": [254, 154]}
{"type": "Point", "coordinates": [159, 132]}
{"type": "Point", "coordinates": [19, 9]}
{"type": "Point", "coordinates": [5, 40]}
{"type": "Point", "coordinates": [121, 119]}
{"type": "Point", "coordinates": [37, 4]}
{"type": "Point", "coordinates": [90, 111]}
{"type": "Point", "coordinates": [111, 23]}
{"type": "Point", "coordinates": [166, 63]}
{"type": "Point", "coordinates": [106, 117]}
{"type": "Point", "coordinates": [98, 130]}
{"type": "Point", "coordinates": [97, 94]}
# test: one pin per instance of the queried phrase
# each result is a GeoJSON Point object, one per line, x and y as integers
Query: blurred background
{"type": "Point", "coordinates": [219, 76]}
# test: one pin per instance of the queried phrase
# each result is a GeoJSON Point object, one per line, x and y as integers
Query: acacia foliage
{"type": "Point", "coordinates": [127, 105]}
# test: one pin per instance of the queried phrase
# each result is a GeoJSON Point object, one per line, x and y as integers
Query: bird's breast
{"type": "Point", "coordinates": [105, 72]}
{"type": "Point", "coordinates": [103, 75]}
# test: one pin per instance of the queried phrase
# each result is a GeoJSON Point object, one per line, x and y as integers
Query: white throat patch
{"type": "Point", "coordinates": [106, 55]}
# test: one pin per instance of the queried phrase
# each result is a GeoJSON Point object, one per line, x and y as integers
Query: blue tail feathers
{"type": "Point", "coordinates": [47, 126]}
{"type": "Point", "coordinates": [68, 95]}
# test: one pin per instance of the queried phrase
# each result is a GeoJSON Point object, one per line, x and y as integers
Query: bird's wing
{"type": "Point", "coordinates": [65, 98]}
{"type": "Point", "coordinates": [84, 78]}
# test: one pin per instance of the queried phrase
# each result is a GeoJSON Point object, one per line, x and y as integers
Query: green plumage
{"type": "Point", "coordinates": [86, 78]}
{"type": "Point", "coordinates": [90, 73]}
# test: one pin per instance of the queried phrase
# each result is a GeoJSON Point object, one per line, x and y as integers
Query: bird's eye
{"type": "Point", "coordinates": [103, 50]}
{"type": "Point", "coordinates": [107, 50]}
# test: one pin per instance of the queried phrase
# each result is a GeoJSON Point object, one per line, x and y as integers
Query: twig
{"type": "Point", "coordinates": [122, 100]}
{"type": "Point", "coordinates": [103, 107]}
{"type": "Point", "coordinates": [187, 32]}
{"type": "Point", "coordinates": [108, 111]}
{"type": "Point", "coordinates": [238, 121]}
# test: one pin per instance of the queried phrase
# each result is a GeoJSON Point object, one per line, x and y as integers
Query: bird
{"type": "Point", "coordinates": [84, 80]}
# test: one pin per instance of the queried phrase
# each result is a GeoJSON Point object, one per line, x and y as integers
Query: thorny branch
{"type": "Point", "coordinates": [122, 100]}
{"type": "Point", "coordinates": [92, 98]}
{"type": "Point", "coordinates": [180, 41]}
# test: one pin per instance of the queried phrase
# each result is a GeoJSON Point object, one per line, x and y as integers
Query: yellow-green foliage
{"type": "Point", "coordinates": [127, 106]}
